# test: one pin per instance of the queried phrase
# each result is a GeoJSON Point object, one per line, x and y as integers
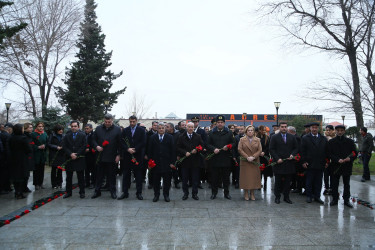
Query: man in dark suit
{"type": "Point", "coordinates": [314, 155]}
{"type": "Point", "coordinates": [186, 147]}
{"type": "Point", "coordinates": [133, 141]}
{"type": "Point", "coordinates": [153, 130]}
{"type": "Point", "coordinates": [74, 146]}
{"type": "Point", "coordinates": [283, 148]}
{"type": "Point", "coordinates": [162, 152]}
{"type": "Point", "coordinates": [275, 127]}
{"type": "Point", "coordinates": [217, 142]}
{"type": "Point", "coordinates": [90, 171]}
{"type": "Point", "coordinates": [176, 173]}
{"type": "Point", "coordinates": [200, 131]}
{"type": "Point", "coordinates": [236, 168]}
{"type": "Point", "coordinates": [106, 141]}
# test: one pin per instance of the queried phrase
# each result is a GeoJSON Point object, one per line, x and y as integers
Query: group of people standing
{"type": "Point", "coordinates": [188, 154]}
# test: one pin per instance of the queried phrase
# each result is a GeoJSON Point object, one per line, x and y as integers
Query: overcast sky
{"type": "Point", "coordinates": [208, 56]}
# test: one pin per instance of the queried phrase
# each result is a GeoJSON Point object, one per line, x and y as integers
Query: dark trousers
{"type": "Point", "coordinates": [314, 182]}
{"type": "Point", "coordinates": [18, 187]}
{"type": "Point", "coordinates": [56, 176]}
{"type": "Point", "coordinates": [38, 174]}
{"type": "Point", "coordinates": [335, 187]}
{"type": "Point", "coordinates": [327, 178]}
{"type": "Point", "coordinates": [167, 176]}
{"type": "Point", "coordinates": [282, 185]}
{"type": "Point", "coordinates": [175, 175]}
{"type": "Point", "coordinates": [366, 170]}
{"type": "Point", "coordinates": [126, 177]}
{"type": "Point", "coordinates": [190, 173]}
{"type": "Point", "coordinates": [90, 171]}
{"type": "Point", "coordinates": [69, 181]}
{"type": "Point", "coordinates": [106, 169]}
{"type": "Point", "coordinates": [219, 174]}
{"type": "Point", "coordinates": [150, 178]}
{"type": "Point", "coordinates": [235, 174]}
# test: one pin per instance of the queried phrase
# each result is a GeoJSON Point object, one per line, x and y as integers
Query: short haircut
{"type": "Point", "coordinates": [133, 117]}
{"type": "Point", "coordinates": [38, 123]}
{"type": "Point", "coordinates": [17, 129]}
{"type": "Point", "coordinates": [57, 127]}
{"type": "Point", "coordinates": [155, 122]}
{"type": "Point", "coordinates": [161, 124]}
{"type": "Point", "coordinates": [74, 121]}
{"type": "Point", "coordinates": [281, 123]}
{"type": "Point", "coordinates": [88, 125]}
{"type": "Point", "coordinates": [364, 129]}
{"type": "Point", "coordinates": [108, 117]}
{"type": "Point", "coordinates": [291, 128]}
{"type": "Point", "coordinates": [27, 125]}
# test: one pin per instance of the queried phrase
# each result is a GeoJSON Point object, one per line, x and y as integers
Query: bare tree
{"type": "Point", "coordinates": [32, 59]}
{"type": "Point", "coordinates": [138, 106]}
{"type": "Point", "coordinates": [333, 26]}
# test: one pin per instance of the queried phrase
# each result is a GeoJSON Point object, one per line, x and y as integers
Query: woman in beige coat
{"type": "Point", "coordinates": [250, 149]}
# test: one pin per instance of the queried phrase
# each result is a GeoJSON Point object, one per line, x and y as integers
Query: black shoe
{"type": "Point", "coordinates": [213, 196]}
{"type": "Point", "coordinates": [123, 196]}
{"type": "Point", "coordinates": [19, 196]}
{"type": "Point", "coordinates": [156, 198]}
{"type": "Point", "coordinates": [326, 192]}
{"type": "Point", "coordinates": [82, 196]}
{"type": "Point", "coordinates": [91, 186]}
{"type": "Point", "coordinates": [200, 186]}
{"type": "Point", "coordinates": [319, 201]}
{"type": "Point", "coordinates": [296, 191]}
{"type": "Point", "coordinates": [287, 200]}
{"type": "Point", "coordinates": [139, 197]}
{"type": "Point", "coordinates": [308, 200]}
{"type": "Point", "coordinates": [227, 196]}
{"type": "Point", "coordinates": [96, 195]}
{"type": "Point", "coordinates": [185, 197]}
{"type": "Point", "coordinates": [220, 186]}
{"type": "Point", "coordinates": [277, 200]}
{"type": "Point", "coordinates": [67, 195]}
{"type": "Point", "coordinates": [195, 197]}
{"type": "Point", "coordinates": [348, 204]}
{"type": "Point", "coordinates": [150, 186]}
{"type": "Point", "coordinates": [113, 196]}
{"type": "Point", "coordinates": [333, 203]}
{"type": "Point", "coordinates": [176, 185]}
{"type": "Point", "coordinates": [166, 198]}
{"type": "Point", "coordinates": [363, 179]}
{"type": "Point", "coordinates": [237, 186]}
{"type": "Point", "coordinates": [27, 190]}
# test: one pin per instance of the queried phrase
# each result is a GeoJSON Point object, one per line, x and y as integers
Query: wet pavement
{"type": "Point", "coordinates": [104, 223]}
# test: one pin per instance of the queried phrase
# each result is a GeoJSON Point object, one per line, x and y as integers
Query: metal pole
{"type": "Point", "coordinates": [277, 116]}
{"type": "Point", "coordinates": [7, 114]}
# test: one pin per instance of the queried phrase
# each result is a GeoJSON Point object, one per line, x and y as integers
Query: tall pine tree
{"type": "Point", "coordinates": [88, 81]}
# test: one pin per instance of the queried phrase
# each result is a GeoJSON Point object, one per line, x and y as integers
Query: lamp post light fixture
{"type": "Point", "coordinates": [7, 105]}
{"type": "Point", "coordinates": [277, 106]}
{"type": "Point", "coordinates": [343, 119]}
{"type": "Point", "coordinates": [244, 118]}
{"type": "Point", "coordinates": [106, 104]}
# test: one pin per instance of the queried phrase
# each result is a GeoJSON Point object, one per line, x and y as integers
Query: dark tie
{"type": "Point", "coordinates": [74, 136]}
{"type": "Point", "coordinates": [160, 138]}
{"type": "Point", "coordinates": [284, 138]}
{"type": "Point", "coordinates": [190, 137]}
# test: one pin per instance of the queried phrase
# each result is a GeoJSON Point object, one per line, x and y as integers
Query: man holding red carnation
{"type": "Point", "coordinates": [189, 145]}
{"type": "Point", "coordinates": [220, 141]}
{"type": "Point", "coordinates": [314, 154]}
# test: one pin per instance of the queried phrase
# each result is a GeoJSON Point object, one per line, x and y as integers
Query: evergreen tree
{"type": "Point", "coordinates": [5, 30]}
{"type": "Point", "coordinates": [88, 81]}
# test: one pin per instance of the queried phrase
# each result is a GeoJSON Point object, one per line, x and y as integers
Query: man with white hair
{"type": "Point", "coordinates": [187, 147]}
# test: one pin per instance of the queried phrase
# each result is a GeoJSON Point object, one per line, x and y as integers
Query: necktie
{"type": "Point", "coordinates": [284, 137]}
{"type": "Point", "coordinates": [190, 137]}
{"type": "Point", "coordinates": [160, 138]}
{"type": "Point", "coordinates": [74, 136]}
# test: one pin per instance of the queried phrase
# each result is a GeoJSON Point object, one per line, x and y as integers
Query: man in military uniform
{"type": "Point", "coordinates": [218, 140]}
{"type": "Point", "coordinates": [340, 150]}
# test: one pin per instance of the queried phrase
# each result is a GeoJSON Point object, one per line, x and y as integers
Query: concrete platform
{"type": "Point", "coordinates": [104, 223]}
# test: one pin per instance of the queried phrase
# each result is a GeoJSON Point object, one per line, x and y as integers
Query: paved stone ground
{"type": "Point", "coordinates": [104, 223]}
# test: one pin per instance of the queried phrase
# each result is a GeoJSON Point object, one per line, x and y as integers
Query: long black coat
{"type": "Point", "coordinates": [77, 146]}
{"type": "Point", "coordinates": [281, 150]}
{"type": "Point", "coordinates": [31, 163]}
{"type": "Point", "coordinates": [163, 153]}
{"type": "Point", "coordinates": [19, 152]}
{"type": "Point", "coordinates": [53, 143]}
{"type": "Point", "coordinates": [341, 147]}
{"type": "Point", "coordinates": [113, 136]}
{"type": "Point", "coordinates": [91, 154]}
{"type": "Point", "coordinates": [137, 141]}
{"type": "Point", "coordinates": [314, 151]}
{"type": "Point", "coordinates": [185, 144]}
{"type": "Point", "coordinates": [263, 160]}
{"type": "Point", "coordinates": [218, 140]}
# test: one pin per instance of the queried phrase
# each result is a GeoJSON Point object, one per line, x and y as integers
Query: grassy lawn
{"type": "Point", "coordinates": [358, 167]}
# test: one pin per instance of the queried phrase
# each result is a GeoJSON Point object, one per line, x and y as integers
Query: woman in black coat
{"type": "Point", "coordinates": [56, 155]}
{"type": "Point", "coordinates": [20, 149]}
{"type": "Point", "coordinates": [265, 155]}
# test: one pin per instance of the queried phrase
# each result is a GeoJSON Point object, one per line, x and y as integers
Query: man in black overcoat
{"type": "Point", "coordinates": [90, 171]}
{"type": "Point", "coordinates": [342, 152]}
{"type": "Point", "coordinates": [74, 146]}
{"type": "Point", "coordinates": [283, 148]}
{"type": "Point", "coordinates": [313, 158]}
{"type": "Point", "coordinates": [200, 131]}
{"type": "Point", "coordinates": [217, 142]}
{"type": "Point", "coordinates": [176, 173]}
{"type": "Point", "coordinates": [133, 142]}
{"type": "Point", "coordinates": [190, 167]}
{"type": "Point", "coordinates": [153, 130]}
{"type": "Point", "coordinates": [162, 152]}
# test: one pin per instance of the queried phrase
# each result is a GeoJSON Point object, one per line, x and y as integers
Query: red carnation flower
{"type": "Point", "coordinates": [236, 164]}
{"type": "Point", "coordinates": [36, 206]}
{"type": "Point", "coordinates": [93, 151]}
{"type": "Point", "coordinates": [32, 143]}
{"type": "Point", "coordinates": [49, 200]}
{"type": "Point", "coordinates": [6, 222]}
{"type": "Point", "coordinates": [134, 160]}
{"type": "Point", "coordinates": [27, 211]}
{"type": "Point", "coordinates": [151, 163]}
{"type": "Point", "coordinates": [60, 194]}
{"type": "Point", "coordinates": [199, 148]}
{"type": "Point", "coordinates": [353, 153]}
{"type": "Point", "coordinates": [38, 137]}
{"type": "Point", "coordinates": [229, 146]}
{"type": "Point", "coordinates": [56, 197]}
{"type": "Point", "coordinates": [17, 216]}
{"type": "Point", "coordinates": [105, 143]}
{"type": "Point", "coordinates": [88, 145]}
{"type": "Point", "coordinates": [43, 203]}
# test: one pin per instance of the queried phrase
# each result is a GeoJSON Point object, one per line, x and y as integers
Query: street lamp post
{"type": "Point", "coordinates": [7, 105]}
{"type": "Point", "coordinates": [277, 106]}
{"type": "Point", "coordinates": [343, 119]}
{"type": "Point", "coordinates": [244, 118]}
{"type": "Point", "coordinates": [106, 104]}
